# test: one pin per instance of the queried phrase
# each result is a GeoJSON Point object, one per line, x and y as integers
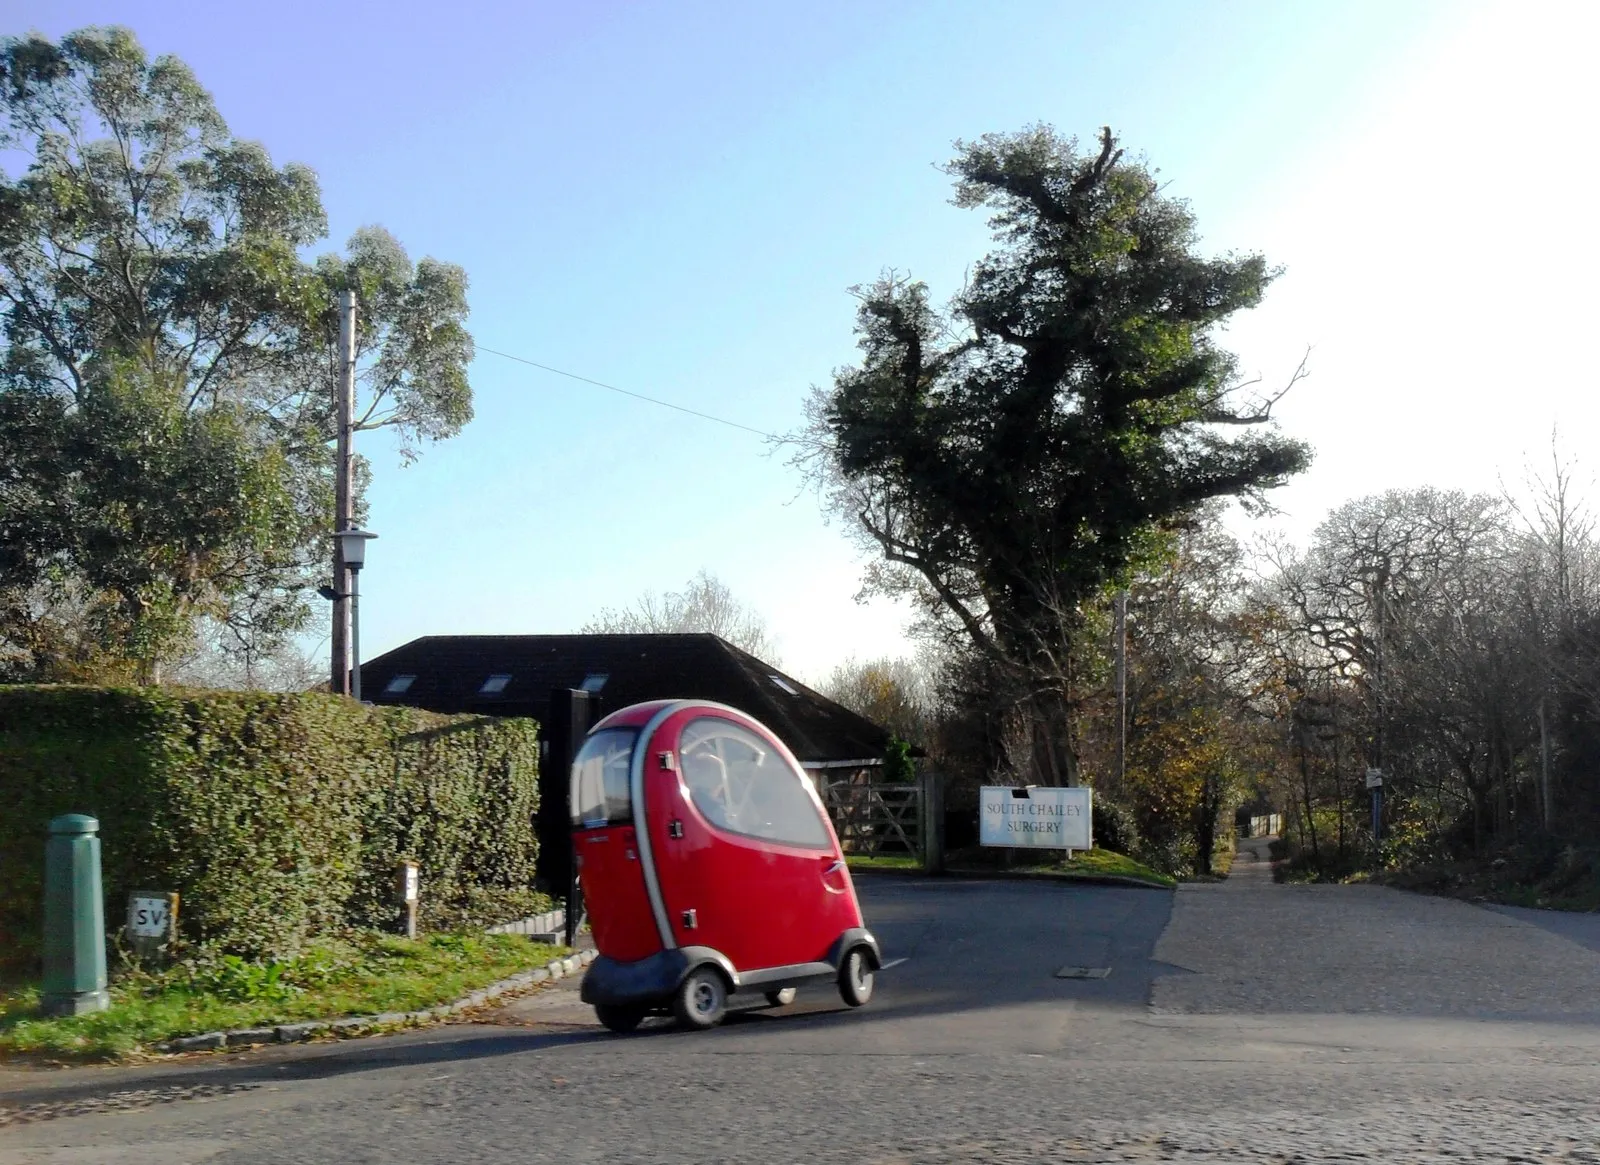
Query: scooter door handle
{"type": "Point", "coordinates": [829, 879]}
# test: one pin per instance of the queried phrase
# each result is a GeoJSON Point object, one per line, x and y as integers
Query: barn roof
{"type": "Point", "coordinates": [513, 675]}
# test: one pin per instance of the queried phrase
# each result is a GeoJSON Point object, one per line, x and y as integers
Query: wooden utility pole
{"type": "Point", "coordinates": [1377, 710]}
{"type": "Point", "coordinates": [1544, 768]}
{"type": "Point", "coordinates": [1120, 646]}
{"type": "Point", "coordinates": [344, 413]}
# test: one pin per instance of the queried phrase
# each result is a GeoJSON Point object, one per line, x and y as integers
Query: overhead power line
{"type": "Point", "coordinates": [666, 404]}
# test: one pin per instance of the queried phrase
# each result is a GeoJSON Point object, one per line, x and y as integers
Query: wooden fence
{"type": "Point", "coordinates": [1269, 825]}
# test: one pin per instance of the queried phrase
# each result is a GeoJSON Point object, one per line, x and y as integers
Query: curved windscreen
{"type": "Point", "coordinates": [600, 790]}
{"type": "Point", "coordinates": [741, 784]}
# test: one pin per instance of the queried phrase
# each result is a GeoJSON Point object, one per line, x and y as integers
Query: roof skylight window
{"type": "Point", "coordinates": [398, 684]}
{"type": "Point", "coordinates": [494, 685]}
{"type": "Point", "coordinates": [594, 681]}
{"type": "Point", "coordinates": [785, 685]}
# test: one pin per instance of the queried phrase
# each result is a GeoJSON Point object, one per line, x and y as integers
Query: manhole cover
{"type": "Point", "coordinates": [1083, 972]}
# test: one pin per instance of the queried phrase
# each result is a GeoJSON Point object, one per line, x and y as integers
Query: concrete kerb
{"type": "Point", "coordinates": [1058, 876]}
{"type": "Point", "coordinates": [292, 1033]}
{"type": "Point", "coordinates": [546, 927]}
{"type": "Point", "coordinates": [1014, 876]}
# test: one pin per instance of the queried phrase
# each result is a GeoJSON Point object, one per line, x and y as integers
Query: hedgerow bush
{"type": "Point", "coordinates": [277, 817]}
{"type": "Point", "coordinates": [461, 802]}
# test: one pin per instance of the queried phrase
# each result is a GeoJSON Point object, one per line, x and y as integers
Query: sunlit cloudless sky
{"type": "Point", "coordinates": [674, 198]}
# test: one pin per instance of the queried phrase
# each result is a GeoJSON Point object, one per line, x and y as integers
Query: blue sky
{"type": "Point", "coordinates": [674, 198]}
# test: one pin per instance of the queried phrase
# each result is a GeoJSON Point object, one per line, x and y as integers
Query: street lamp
{"type": "Point", "coordinates": [353, 550]}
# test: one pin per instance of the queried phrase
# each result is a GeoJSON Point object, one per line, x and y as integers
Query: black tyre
{"type": "Point", "coordinates": [619, 1019]}
{"type": "Point", "coordinates": [856, 977]}
{"type": "Point", "coordinates": [782, 997]}
{"type": "Point", "coordinates": [701, 1001]}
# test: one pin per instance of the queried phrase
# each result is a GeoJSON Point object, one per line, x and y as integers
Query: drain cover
{"type": "Point", "coordinates": [1083, 972]}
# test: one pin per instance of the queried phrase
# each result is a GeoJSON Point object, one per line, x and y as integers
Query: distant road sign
{"type": "Point", "coordinates": [1374, 778]}
{"type": "Point", "coordinates": [152, 921]}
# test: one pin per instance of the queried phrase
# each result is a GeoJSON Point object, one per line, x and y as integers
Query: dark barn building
{"type": "Point", "coordinates": [516, 675]}
{"type": "Point", "coordinates": [513, 675]}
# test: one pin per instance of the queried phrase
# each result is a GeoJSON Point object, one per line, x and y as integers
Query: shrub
{"type": "Point", "coordinates": [898, 767]}
{"type": "Point", "coordinates": [276, 817]}
{"type": "Point", "coordinates": [1113, 826]}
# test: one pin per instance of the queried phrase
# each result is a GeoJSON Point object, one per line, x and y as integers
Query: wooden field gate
{"type": "Point", "coordinates": [877, 819]}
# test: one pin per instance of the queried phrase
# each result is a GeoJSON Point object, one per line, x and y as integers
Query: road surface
{"type": "Point", "coordinates": [1237, 1022]}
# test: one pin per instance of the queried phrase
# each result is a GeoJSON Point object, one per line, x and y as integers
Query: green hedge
{"type": "Point", "coordinates": [276, 817]}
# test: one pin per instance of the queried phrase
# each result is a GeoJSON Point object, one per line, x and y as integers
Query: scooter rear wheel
{"type": "Point", "coordinates": [701, 1001]}
{"type": "Point", "coordinates": [619, 1019]}
{"type": "Point", "coordinates": [856, 977]}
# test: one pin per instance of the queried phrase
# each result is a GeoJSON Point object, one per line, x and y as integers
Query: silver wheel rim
{"type": "Point", "coordinates": [705, 998]}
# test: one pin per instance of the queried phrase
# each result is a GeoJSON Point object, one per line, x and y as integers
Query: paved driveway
{"type": "Point", "coordinates": [1583, 929]}
{"type": "Point", "coordinates": [1358, 950]}
{"type": "Point", "coordinates": [1237, 1023]}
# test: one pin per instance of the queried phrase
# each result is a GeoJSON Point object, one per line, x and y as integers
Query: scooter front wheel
{"type": "Point", "coordinates": [856, 977]}
{"type": "Point", "coordinates": [619, 1019]}
{"type": "Point", "coordinates": [701, 1001]}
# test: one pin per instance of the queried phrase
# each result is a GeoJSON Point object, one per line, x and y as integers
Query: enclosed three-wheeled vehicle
{"type": "Point", "coordinates": [708, 867]}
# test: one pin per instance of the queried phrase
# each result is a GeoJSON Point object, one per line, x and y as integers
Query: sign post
{"type": "Point", "coordinates": [1375, 783]}
{"type": "Point", "coordinates": [408, 888]}
{"type": "Point", "coordinates": [572, 712]}
{"type": "Point", "coordinates": [1035, 817]}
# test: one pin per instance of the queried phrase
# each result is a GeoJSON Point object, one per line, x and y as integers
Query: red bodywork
{"type": "Point", "coordinates": [782, 899]}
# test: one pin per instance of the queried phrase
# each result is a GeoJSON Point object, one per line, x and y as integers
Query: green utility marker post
{"type": "Point", "coordinates": [74, 919]}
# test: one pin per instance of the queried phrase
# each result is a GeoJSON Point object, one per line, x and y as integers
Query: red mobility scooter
{"type": "Point", "coordinates": [708, 868]}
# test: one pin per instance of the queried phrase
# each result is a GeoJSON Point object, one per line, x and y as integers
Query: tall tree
{"type": "Point", "coordinates": [1421, 625]}
{"type": "Point", "coordinates": [1193, 678]}
{"type": "Point", "coordinates": [893, 693]}
{"type": "Point", "coordinates": [165, 400]}
{"type": "Point", "coordinates": [1014, 454]}
{"type": "Point", "coordinates": [705, 605]}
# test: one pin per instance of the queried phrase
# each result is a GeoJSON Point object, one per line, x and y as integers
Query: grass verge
{"type": "Point", "coordinates": [1085, 865]}
{"type": "Point", "coordinates": [883, 862]}
{"type": "Point", "coordinates": [364, 975]}
{"type": "Point", "coordinates": [1543, 874]}
{"type": "Point", "coordinates": [1573, 884]}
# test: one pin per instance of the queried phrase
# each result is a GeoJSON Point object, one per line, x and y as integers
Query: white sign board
{"type": "Point", "coordinates": [1035, 817]}
{"type": "Point", "coordinates": [1374, 778]}
{"type": "Point", "coordinates": [412, 880]}
{"type": "Point", "coordinates": [149, 917]}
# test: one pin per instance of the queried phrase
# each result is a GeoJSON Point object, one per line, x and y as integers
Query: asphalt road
{"type": "Point", "coordinates": [1241, 1022]}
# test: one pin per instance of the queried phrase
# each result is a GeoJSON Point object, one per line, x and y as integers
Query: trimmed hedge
{"type": "Point", "coordinates": [276, 817]}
